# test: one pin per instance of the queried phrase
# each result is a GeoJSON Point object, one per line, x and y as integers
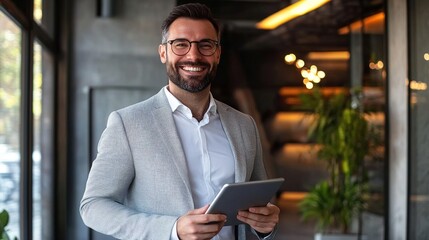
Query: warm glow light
{"type": "Point", "coordinates": [304, 73]}
{"type": "Point", "coordinates": [373, 24]}
{"type": "Point", "coordinates": [293, 196]}
{"type": "Point", "coordinates": [326, 91]}
{"type": "Point", "coordinates": [426, 56]}
{"type": "Point", "coordinates": [290, 58]}
{"type": "Point", "coordinates": [419, 198]}
{"type": "Point", "coordinates": [310, 75]}
{"type": "Point", "coordinates": [295, 10]}
{"type": "Point", "coordinates": [337, 55]}
{"type": "Point", "coordinates": [316, 79]}
{"type": "Point", "coordinates": [321, 74]}
{"type": "Point", "coordinates": [376, 66]}
{"type": "Point", "coordinates": [419, 86]}
{"type": "Point", "coordinates": [300, 63]}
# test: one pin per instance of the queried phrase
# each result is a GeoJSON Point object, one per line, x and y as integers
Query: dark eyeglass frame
{"type": "Point", "coordinates": [211, 41]}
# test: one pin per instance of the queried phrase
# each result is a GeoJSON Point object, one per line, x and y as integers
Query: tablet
{"type": "Point", "coordinates": [241, 196]}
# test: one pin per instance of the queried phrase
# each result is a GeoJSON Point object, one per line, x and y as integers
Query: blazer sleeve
{"type": "Point", "coordinates": [259, 171]}
{"type": "Point", "coordinates": [103, 206]}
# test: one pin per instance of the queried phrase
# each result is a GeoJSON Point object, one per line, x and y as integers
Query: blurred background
{"type": "Point", "coordinates": [65, 65]}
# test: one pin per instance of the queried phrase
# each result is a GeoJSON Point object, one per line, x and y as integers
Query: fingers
{"type": "Point", "coordinates": [262, 219]}
{"type": "Point", "coordinates": [199, 216]}
{"type": "Point", "coordinates": [188, 228]}
{"type": "Point", "coordinates": [268, 210]}
{"type": "Point", "coordinates": [198, 225]}
{"type": "Point", "coordinates": [201, 210]}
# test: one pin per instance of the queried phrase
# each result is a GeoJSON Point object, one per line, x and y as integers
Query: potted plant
{"type": "Point", "coordinates": [341, 133]}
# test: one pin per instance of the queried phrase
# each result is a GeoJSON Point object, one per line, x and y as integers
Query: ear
{"type": "Point", "coordinates": [162, 53]}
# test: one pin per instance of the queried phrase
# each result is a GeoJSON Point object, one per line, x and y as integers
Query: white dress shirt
{"type": "Point", "coordinates": [209, 157]}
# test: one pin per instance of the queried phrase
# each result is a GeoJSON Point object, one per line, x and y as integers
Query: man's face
{"type": "Point", "coordinates": [193, 71]}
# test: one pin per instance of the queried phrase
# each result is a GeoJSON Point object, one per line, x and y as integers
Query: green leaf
{"type": "Point", "coordinates": [343, 135]}
{"type": "Point", "coordinates": [4, 220]}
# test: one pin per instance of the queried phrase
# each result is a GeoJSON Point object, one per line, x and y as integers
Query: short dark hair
{"type": "Point", "coordinates": [190, 10]}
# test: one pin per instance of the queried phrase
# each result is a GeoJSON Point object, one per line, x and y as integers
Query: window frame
{"type": "Point", "coordinates": [22, 15]}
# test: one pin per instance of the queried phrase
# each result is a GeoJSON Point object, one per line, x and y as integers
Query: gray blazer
{"type": "Point", "coordinates": [138, 184]}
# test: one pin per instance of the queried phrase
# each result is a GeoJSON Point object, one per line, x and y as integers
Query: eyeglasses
{"type": "Point", "coordinates": [181, 47]}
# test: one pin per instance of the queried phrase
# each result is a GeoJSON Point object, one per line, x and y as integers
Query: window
{"type": "Point", "coordinates": [418, 226]}
{"type": "Point", "coordinates": [42, 157]}
{"type": "Point", "coordinates": [27, 118]}
{"type": "Point", "coordinates": [10, 115]}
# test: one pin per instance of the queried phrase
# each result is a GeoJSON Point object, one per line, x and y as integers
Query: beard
{"type": "Point", "coordinates": [192, 84]}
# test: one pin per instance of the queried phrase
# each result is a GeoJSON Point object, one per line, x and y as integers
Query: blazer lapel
{"type": "Point", "coordinates": [164, 122]}
{"type": "Point", "coordinates": [233, 132]}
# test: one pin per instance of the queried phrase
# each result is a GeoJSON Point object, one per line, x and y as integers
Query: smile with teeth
{"type": "Point", "coordinates": [192, 69]}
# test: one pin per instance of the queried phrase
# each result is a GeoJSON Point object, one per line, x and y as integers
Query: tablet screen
{"type": "Point", "coordinates": [241, 196]}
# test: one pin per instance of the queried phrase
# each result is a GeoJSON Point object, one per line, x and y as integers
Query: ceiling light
{"type": "Point", "coordinates": [309, 85]}
{"type": "Point", "coordinates": [335, 55]}
{"type": "Point", "coordinates": [304, 73]}
{"type": "Point", "coordinates": [321, 74]}
{"type": "Point", "coordinates": [299, 63]}
{"type": "Point", "coordinates": [292, 11]}
{"type": "Point", "coordinates": [290, 58]}
{"type": "Point", "coordinates": [316, 79]}
{"type": "Point", "coordinates": [372, 24]}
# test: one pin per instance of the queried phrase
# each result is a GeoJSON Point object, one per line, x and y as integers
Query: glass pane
{"type": "Point", "coordinates": [10, 108]}
{"type": "Point", "coordinates": [419, 120]}
{"type": "Point", "coordinates": [43, 142]}
{"type": "Point", "coordinates": [367, 70]}
{"type": "Point", "coordinates": [37, 110]}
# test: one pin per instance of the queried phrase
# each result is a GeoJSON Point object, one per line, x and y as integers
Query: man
{"type": "Point", "coordinates": [162, 161]}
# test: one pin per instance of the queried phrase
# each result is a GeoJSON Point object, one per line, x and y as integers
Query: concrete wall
{"type": "Point", "coordinates": [397, 119]}
{"type": "Point", "coordinates": [114, 62]}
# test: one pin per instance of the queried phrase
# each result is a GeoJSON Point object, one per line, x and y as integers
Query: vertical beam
{"type": "Point", "coordinates": [26, 164]}
{"type": "Point", "coordinates": [356, 64]}
{"type": "Point", "coordinates": [27, 120]}
{"type": "Point", "coordinates": [63, 35]}
{"type": "Point", "coordinates": [356, 59]}
{"type": "Point", "coordinates": [397, 91]}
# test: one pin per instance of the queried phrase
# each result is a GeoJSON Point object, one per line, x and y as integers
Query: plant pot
{"type": "Point", "coordinates": [335, 236]}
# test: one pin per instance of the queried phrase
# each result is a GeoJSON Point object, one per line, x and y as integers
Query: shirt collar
{"type": "Point", "coordinates": [176, 105]}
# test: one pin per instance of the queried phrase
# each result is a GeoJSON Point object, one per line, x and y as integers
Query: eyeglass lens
{"type": "Point", "coordinates": [182, 46]}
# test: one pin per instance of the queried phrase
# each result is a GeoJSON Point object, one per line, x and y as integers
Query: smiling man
{"type": "Point", "coordinates": [162, 161]}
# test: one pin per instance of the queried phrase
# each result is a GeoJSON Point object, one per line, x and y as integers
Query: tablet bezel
{"type": "Point", "coordinates": [241, 196]}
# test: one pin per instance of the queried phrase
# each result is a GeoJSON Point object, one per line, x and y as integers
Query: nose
{"type": "Point", "coordinates": [194, 53]}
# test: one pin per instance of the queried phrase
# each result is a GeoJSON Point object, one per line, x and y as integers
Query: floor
{"type": "Point", "coordinates": [291, 226]}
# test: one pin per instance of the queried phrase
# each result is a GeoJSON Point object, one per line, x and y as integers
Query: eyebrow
{"type": "Point", "coordinates": [204, 39]}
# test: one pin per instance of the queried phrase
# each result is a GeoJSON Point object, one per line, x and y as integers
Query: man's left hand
{"type": "Point", "coordinates": [262, 219]}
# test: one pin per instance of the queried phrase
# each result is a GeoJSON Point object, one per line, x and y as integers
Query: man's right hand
{"type": "Point", "coordinates": [196, 225]}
